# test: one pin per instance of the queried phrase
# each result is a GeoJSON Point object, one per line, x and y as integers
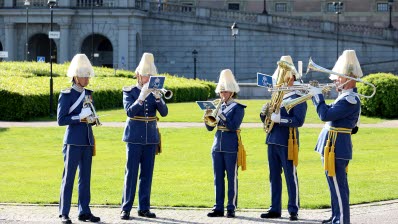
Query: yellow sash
{"type": "Point", "coordinates": [328, 152]}
{"type": "Point", "coordinates": [292, 146]}
{"type": "Point", "coordinates": [241, 148]}
{"type": "Point", "coordinates": [94, 147]}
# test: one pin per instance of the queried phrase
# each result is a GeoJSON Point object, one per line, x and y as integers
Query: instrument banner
{"type": "Point", "coordinates": [206, 105]}
{"type": "Point", "coordinates": [156, 82]}
{"type": "Point", "coordinates": [264, 80]}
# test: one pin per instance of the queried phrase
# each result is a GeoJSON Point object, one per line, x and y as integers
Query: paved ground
{"type": "Point", "coordinates": [373, 213]}
{"type": "Point", "coordinates": [6, 124]}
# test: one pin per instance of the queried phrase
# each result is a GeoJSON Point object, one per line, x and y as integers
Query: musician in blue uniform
{"type": "Point", "coordinates": [78, 140]}
{"type": "Point", "coordinates": [142, 138]}
{"type": "Point", "coordinates": [283, 141]}
{"type": "Point", "coordinates": [225, 152]}
{"type": "Point", "coordinates": [334, 142]}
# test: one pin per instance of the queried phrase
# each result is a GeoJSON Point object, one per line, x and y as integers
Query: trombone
{"type": "Point", "coordinates": [314, 67]}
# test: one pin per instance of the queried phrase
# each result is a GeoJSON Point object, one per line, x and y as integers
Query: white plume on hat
{"type": "Point", "coordinates": [227, 82]}
{"type": "Point", "coordinates": [80, 66]}
{"type": "Point", "coordinates": [288, 59]}
{"type": "Point", "coordinates": [147, 67]}
{"type": "Point", "coordinates": [346, 64]}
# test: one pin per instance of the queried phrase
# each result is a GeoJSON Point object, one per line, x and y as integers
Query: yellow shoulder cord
{"type": "Point", "coordinates": [331, 158]}
{"type": "Point", "coordinates": [94, 147]}
{"type": "Point", "coordinates": [241, 152]}
{"type": "Point", "coordinates": [295, 148]}
{"type": "Point", "coordinates": [290, 146]}
{"type": "Point", "coordinates": [326, 152]}
{"type": "Point", "coordinates": [329, 154]}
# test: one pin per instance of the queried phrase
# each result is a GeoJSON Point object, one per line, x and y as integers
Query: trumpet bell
{"type": "Point", "coordinates": [167, 93]}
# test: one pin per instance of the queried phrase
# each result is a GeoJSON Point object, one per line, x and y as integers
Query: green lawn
{"type": "Point", "coordinates": [190, 112]}
{"type": "Point", "coordinates": [31, 166]}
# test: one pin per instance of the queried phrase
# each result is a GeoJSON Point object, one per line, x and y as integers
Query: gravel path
{"type": "Point", "coordinates": [372, 213]}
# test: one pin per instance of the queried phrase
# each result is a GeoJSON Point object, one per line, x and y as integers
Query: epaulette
{"type": "Point", "coordinates": [89, 90]}
{"type": "Point", "coordinates": [66, 91]}
{"type": "Point", "coordinates": [351, 99]}
{"type": "Point", "coordinates": [127, 88]}
{"type": "Point", "coordinates": [242, 105]}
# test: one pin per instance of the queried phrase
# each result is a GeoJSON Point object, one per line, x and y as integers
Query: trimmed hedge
{"type": "Point", "coordinates": [384, 102]}
{"type": "Point", "coordinates": [25, 94]}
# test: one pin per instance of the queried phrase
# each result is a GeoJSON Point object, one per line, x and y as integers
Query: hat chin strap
{"type": "Point", "coordinates": [341, 86]}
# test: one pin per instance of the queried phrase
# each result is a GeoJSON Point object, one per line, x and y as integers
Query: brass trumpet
{"type": "Point", "coordinates": [165, 92]}
{"type": "Point", "coordinates": [88, 103]}
{"type": "Point", "coordinates": [210, 116]}
{"type": "Point", "coordinates": [289, 104]}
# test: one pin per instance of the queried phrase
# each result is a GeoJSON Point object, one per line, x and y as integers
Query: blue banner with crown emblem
{"type": "Point", "coordinates": [156, 82]}
{"type": "Point", "coordinates": [264, 80]}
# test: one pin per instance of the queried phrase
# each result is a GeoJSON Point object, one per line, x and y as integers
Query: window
{"type": "Point", "coordinates": [280, 7]}
{"type": "Point", "coordinates": [382, 7]}
{"type": "Point", "coordinates": [186, 7]}
{"type": "Point", "coordinates": [233, 6]}
{"type": "Point", "coordinates": [330, 7]}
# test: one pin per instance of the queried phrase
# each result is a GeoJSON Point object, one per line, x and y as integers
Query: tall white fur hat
{"type": "Point", "coordinates": [227, 82]}
{"type": "Point", "coordinates": [147, 65]}
{"type": "Point", "coordinates": [288, 59]}
{"type": "Point", "coordinates": [80, 66]}
{"type": "Point", "coordinates": [347, 64]}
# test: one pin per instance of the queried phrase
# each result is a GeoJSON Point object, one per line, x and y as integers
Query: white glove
{"type": "Point", "coordinates": [144, 92]}
{"type": "Point", "coordinates": [315, 91]}
{"type": "Point", "coordinates": [276, 117]}
{"type": "Point", "coordinates": [264, 108]}
{"type": "Point", "coordinates": [85, 113]}
{"type": "Point", "coordinates": [90, 119]}
{"type": "Point", "coordinates": [157, 94]}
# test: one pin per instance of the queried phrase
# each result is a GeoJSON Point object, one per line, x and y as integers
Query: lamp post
{"type": "Point", "coordinates": [92, 30]}
{"type": "Point", "coordinates": [27, 4]}
{"type": "Point", "coordinates": [235, 31]}
{"type": "Point", "coordinates": [194, 54]}
{"type": "Point", "coordinates": [338, 6]}
{"type": "Point", "coordinates": [390, 9]}
{"type": "Point", "coordinates": [51, 4]}
{"type": "Point", "coordinates": [265, 8]}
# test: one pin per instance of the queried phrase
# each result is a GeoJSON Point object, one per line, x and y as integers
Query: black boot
{"type": "Point", "coordinates": [270, 215]}
{"type": "Point", "coordinates": [89, 218]}
{"type": "Point", "coordinates": [215, 213]}
{"type": "Point", "coordinates": [65, 219]}
{"type": "Point", "coordinates": [230, 214]}
{"type": "Point", "coordinates": [146, 213]}
{"type": "Point", "coordinates": [125, 215]}
{"type": "Point", "coordinates": [293, 217]}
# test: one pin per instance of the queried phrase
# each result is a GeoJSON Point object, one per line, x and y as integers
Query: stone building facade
{"type": "Point", "coordinates": [114, 33]}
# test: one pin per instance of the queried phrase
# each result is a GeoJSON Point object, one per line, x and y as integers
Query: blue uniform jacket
{"type": "Point", "coordinates": [77, 133]}
{"type": "Point", "coordinates": [227, 141]}
{"type": "Point", "coordinates": [279, 134]}
{"type": "Point", "coordinates": [141, 132]}
{"type": "Point", "coordinates": [342, 113]}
